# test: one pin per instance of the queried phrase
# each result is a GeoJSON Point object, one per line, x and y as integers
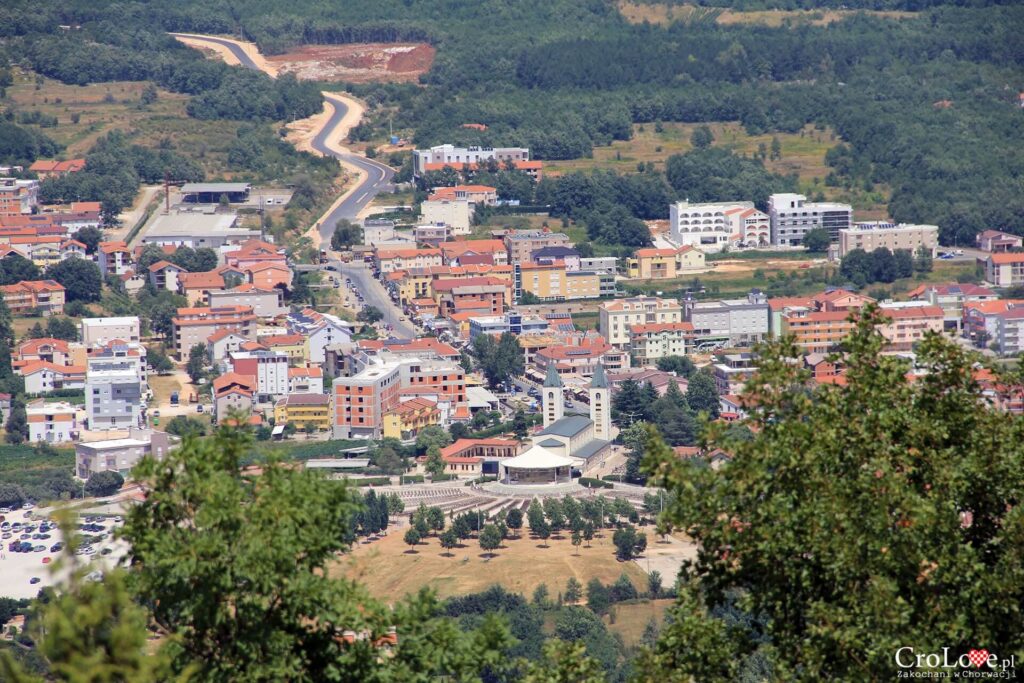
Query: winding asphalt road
{"type": "Point", "coordinates": [376, 176]}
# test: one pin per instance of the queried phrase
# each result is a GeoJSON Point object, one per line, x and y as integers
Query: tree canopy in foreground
{"type": "Point", "coordinates": [857, 521]}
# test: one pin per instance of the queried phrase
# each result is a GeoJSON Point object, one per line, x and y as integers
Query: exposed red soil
{"type": "Point", "coordinates": [357, 62]}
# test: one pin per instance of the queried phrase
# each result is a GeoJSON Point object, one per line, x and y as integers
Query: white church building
{"type": "Point", "coordinates": [566, 441]}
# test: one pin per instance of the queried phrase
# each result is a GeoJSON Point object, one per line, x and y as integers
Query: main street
{"type": "Point", "coordinates": [375, 295]}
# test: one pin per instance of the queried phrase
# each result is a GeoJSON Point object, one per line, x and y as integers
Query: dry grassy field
{"type": "Point", "coordinates": [104, 107]}
{"type": "Point", "coordinates": [390, 570]}
{"type": "Point", "coordinates": [664, 14]}
{"type": "Point", "coordinates": [631, 619]}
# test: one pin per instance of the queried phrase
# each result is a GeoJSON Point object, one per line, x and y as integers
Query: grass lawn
{"type": "Point", "coordinates": [632, 618]}
{"type": "Point", "coordinates": [163, 386]}
{"type": "Point", "coordinates": [520, 566]}
{"type": "Point", "coordinates": [585, 321]}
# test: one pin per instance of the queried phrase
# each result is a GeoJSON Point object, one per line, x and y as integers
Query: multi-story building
{"type": "Point", "coordinates": [457, 214]}
{"type": "Point", "coordinates": [407, 419]}
{"type": "Point", "coordinates": [51, 422]}
{"type": "Point", "coordinates": [115, 383]}
{"type": "Point", "coordinates": [732, 371]}
{"type": "Point", "coordinates": [103, 330]}
{"type": "Point", "coordinates": [582, 358]}
{"type": "Point", "coordinates": [306, 380]}
{"type": "Point", "coordinates": [428, 235]}
{"type": "Point", "coordinates": [30, 296]}
{"type": "Point", "coordinates": [522, 243]}
{"type": "Point", "coordinates": [664, 264]}
{"type": "Point", "coordinates": [1008, 339]}
{"type": "Point", "coordinates": [516, 323]}
{"type": "Point", "coordinates": [195, 325]}
{"type": "Point", "coordinates": [553, 282]}
{"type": "Point", "coordinates": [196, 287]}
{"type": "Point", "coordinates": [269, 368]}
{"type": "Point", "coordinates": [265, 303]}
{"type": "Point", "coordinates": [908, 322]}
{"type": "Point", "coordinates": [657, 340]}
{"type": "Point", "coordinates": [164, 275]}
{"type": "Point", "coordinates": [114, 258]}
{"type": "Point", "coordinates": [817, 331]}
{"type": "Point", "coordinates": [122, 454]}
{"type": "Point", "coordinates": [18, 196]}
{"type": "Point", "coordinates": [361, 401]}
{"type": "Point", "coordinates": [390, 260]}
{"type": "Point", "coordinates": [43, 377]}
{"type": "Point", "coordinates": [233, 393]}
{"type": "Point", "coordinates": [877, 234]}
{"type": "Point", "coordinates": [483, 295]}
{"type": "Point", "coordinates": [616, 318]}
{"type": "Point", "coordinates": [1005, 269]}
{"type": "Point", "coordinates": [981, 319]}
{"type": "Point", "coordinates": [458, 252]}
{"type": "Point", "coordinates": [439, 156]}
{"type": "Point", "coordinates": [792, 217]}
{"type": "Point", "coordinates": [952, 298]}
{"type": "Point", "coordinates": [304, 409]}
{"type": "Point", "coordinates": [735, 322]}
{"type": "Point", "coordinates": [320, 330]}
{"type": "Point", "coordinates": [710, 227]}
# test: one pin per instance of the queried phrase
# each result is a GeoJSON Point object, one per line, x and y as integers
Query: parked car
{"type": "Point", "coordinates": [34, 580]}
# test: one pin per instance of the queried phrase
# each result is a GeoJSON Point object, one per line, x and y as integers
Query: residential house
{"type": "Point", "coordinates": [908, 322]}
{"type": "Point", "coordinates": [51, 168]}
{"type": "Point", "coordinates": [192, 326]}
{"type": "Point", "coordinates": [292, 345]}
{"type": "Point", "coordinates": [553, 282]}
{"type": "Point", "coordinates": [18, 196]}
{"type": "Point", "coordinates": [658, 340]}
{"type": "Point", "coordinates": [406, 419]}
{"type": "Point", "coordinates": [165, 275]}
{"type": "Point", "coordinates": [42, 377]}
{"type": "Point", "coordinates": [265, 303]}
{"type": "Point", "coordinates": [222, 343]}
{"type": "Point", "coordinates": [320, 330]}
{"type": "Point", "coordinates": [951, 298]}
{"type": "Point", "coordinates": [455, 253]}
{"type": "Point", "coordinates": [390, 260]}
{"type": "Point", "coordinates": [483, 295]}
{"type": "Point", "coordinates": [31, 296]}
{"type": "Point", "coordinates": [268, 367]}
{"type": "Point", "coordinates": [616, 318]}
{"type": "Point", "coordinates": [113, 258]}
{"type": "Point", "coordinates": [232, 393]}
{"type": "Point", "coordinates": [522, 243]}
{"type": "Point", "coordinates": [665, 264]}
{"type": "Point", "coordinates": [51, 422]}
{"type": "Point", "coordinates": [196, 287]}
{"type": "Point", "coordinates": [102, 330]}
{"type": "Point", "coordinates": [458, 157]}
{"type": "Point", "coordinates": [304, 409]}
{"type": "Point", "coordinates": [306, 380]}
{"type": "Point", "coordinates": [582, 358]}
{"type": "Point", "coordinates": [982, 320]}
{"type": "Point", "coordinates": [997, 241]}
{"type": "Point", "coordinates": [1005, 269]}
{"type": "Point", "coordinates": [728, 322]}
{"type": "Point", "coordinates": [457, 214]}
{"type": "Point", "coordinates": [474, 194]}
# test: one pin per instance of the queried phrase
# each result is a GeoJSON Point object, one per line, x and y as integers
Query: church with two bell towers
{"type": "Point", "coordinates": [579, 437]}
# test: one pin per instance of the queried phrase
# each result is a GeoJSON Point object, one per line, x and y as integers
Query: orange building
{"type": "Point", "coordinates": [361, 401]}
{"type": "Point", "coordinates": [28, 296]}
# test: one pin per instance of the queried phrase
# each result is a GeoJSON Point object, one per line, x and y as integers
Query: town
{"type": "Point", "coordinates": [334, 347]}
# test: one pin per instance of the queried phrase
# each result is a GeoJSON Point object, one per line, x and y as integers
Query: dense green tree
{"type": "Point", "coordinates": [345, 235]}
{"type": "Point", "coordinates": [432, 435]}
{"type": "Point", "coordinates": [681, 365]}
{"type": "Point", "coordinates": [200, 260]}
{"type": "Point", "coordinates": [435, 464]}
{"type": "Point", "coordinates": [702, 395]}
{"type": "Point", "coordinates": [500, 359]}
{"type": "Point", "coordinates": [17, 422]}
{"type": "Point", "coordinates": [628, 543]}
{"type": "Point", "coordinates": [847, 502]}
{"type": "Point", "coordinates": [15, 269]}
{"type": "Point", "coordinates": [369, 315]}
{"type": "Point", "coordinates": [197, 360]}
{"type": "Point", "coordinates": [816, 241]}
{"type": "Point", "coordinates": [90, 237]}
{"type": "Point", "coordinates": [674, 418]}
{"type": "Point", "coordinates": [702, 138]}
{"type": "Point", "coordinates": [448, 540]}
{"type": "Point", "coordinates": [573, 591]}
{"type": "Point", "coordinates": [102, 484]}
{"type": "Point", "coordinates": [490, 539]}
{"type": "Point", "coordinates": [157, 358]}
{"type": "Point", "coordinates": [80, 278]}
{"type": "Point", "coordinates": [185, 426]}
{"type": "Point", "coordinates": [59, 327]}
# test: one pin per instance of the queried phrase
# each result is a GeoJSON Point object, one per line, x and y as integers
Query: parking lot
{"type": "Point", "coordinates": [23, 574]}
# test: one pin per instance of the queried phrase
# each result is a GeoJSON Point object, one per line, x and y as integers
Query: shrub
{"type": "Point", "coordinates": [594, 483]}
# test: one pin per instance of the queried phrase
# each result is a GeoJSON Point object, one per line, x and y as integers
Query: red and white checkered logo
{"type": "Point", "coordinates": [978, 657]}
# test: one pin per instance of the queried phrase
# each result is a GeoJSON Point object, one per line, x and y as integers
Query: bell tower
{"type": "Point", "coordinates": [552, 402]}
{"type": "Point", "coordinates": [600, 404]}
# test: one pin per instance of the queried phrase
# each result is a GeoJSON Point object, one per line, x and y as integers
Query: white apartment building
{"type": "Point", "coordinates": [616, 318]}
{"type": "Point", "coordinates": [658, 340]}
{"type": "Point", "coordinates": [710, 227]}
{"type": "Point", "coordinates": [103, 330]}
{"type": "Point", "coordinates": [455, 213]}
{"type": "Point", "coordinates": [873, 235]}
{"type": "Point", "coordinates": [270, 368]}
{"type": "Point", "coordinates": [115, 384]}
{"type": "Point", "coordinates": [51, 422]}
{"type": "Point", "coordinates": [792, 217]}
{"type": "Point", "coordinates": [450, 154]}
{"type": "Point", "coordinates": [728, 321]}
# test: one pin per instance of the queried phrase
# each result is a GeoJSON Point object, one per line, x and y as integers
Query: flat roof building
{"type": "Point", "coordinates": [877, 234]}
{"type": "Point", "coordinates": [210, 193]}
{"type": "Point", "coordinates": [194, 230]}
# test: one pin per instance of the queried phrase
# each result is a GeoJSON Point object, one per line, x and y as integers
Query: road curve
{"type": "Point", "coordinates": [376, 177]}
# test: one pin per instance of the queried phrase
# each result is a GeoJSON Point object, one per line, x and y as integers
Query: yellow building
{"type": "Point", "coordinates": [551, 282]}
{"type": "Point", "coordinates": [405, 421]}
{"type": "Point", "coordinates": [664, 264]}
{"type": "Point", "coordinates": [295, 346]}
{"type": "Point", "coordinates": [304, 409]}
